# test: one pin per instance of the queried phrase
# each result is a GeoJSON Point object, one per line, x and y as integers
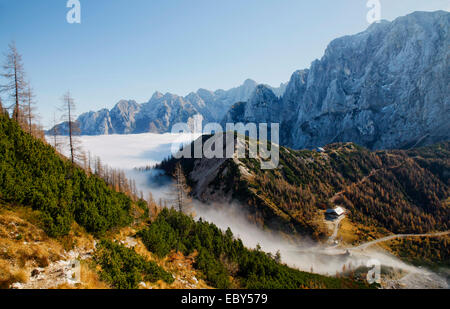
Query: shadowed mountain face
{"type": "Point", "coordinates": [387, 87]}
{"type": "Point", "coordinates": [162, 111]}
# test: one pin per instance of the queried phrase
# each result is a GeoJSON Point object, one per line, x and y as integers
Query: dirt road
{"type": "Point", "coordinates": [337, 224]}
{"type": "Point", "coordinates": [373, 242]}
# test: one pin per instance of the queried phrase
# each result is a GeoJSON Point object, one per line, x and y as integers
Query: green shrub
{"type": "Point", "coordinates": [123, 268]}
{"type": "Point", "coordinates": [33, 174]}
{"type": "Point", "coordinates": [218, 252]}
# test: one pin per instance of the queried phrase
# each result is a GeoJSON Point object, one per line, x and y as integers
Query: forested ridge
{"type": "Point", "coordinates": [393, 191]}
{"type": "Point", "coordinates": [408, 193]}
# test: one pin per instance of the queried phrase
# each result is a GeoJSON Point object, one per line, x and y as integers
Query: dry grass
{"type": "Point", "coordinates": [10, 274]}
{"type": "Point", "coordinates": [90, 278]}
{"type": "Point", "coordinates": [122, 233]}
{"type": "Point", "coordinates": [77, 238]}
{"type": "Point", "coordinates": [347, 231]}
{"type": "Point", "coordinates": [24, 247]}
{"type": "Point", "coordinates": [23, 242]}
{"type": "Point", "coordinates": [354, 233]}
{"type": "Point", "coordinates": [447, 202]}
{"type": "Point", "coordinates": [181, 266]}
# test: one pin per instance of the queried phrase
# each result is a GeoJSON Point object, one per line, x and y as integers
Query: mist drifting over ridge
{"type": "Point", "coordinates": [302, 253]}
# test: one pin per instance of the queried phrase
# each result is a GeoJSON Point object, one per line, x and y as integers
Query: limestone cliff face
{"type": "Point", "coordinates": [387, 87]}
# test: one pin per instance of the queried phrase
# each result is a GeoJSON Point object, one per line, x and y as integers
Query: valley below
{"type": "Point", "coordinates": [336, 257]}
{"type": "Point", "coordinates": [337, 179]}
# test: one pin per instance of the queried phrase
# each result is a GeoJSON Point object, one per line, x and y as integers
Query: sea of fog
{"type": "Point", "coordinates": [135, 150]}
{"type": "Point", "coordinates": [128, 152]}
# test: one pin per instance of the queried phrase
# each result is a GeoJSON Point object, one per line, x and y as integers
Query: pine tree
{"type": "Point", "coordinates": [278, 257]}
{"type": "Point", "coordinates": [15, 76]}
{"type": "Point", "coordinates": [98, 169]}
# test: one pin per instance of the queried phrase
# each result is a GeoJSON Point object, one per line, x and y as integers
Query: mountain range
{"type": "Point", "coordinates": [162, 111]}
{"type": "Point", "coordinates": [386, 87]}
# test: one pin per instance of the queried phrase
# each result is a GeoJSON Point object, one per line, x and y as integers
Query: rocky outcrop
{"type": "Point", "coordinates": [387, 87]}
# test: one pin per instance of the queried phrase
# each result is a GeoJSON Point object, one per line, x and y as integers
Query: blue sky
{"type": "Point", "coordinates": [128, 49]}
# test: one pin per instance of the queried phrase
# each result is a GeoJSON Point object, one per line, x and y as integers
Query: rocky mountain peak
{"type": "Point", "coordinates": [386, 87]}
{"type": "Point", "coordinates": [157, 95]}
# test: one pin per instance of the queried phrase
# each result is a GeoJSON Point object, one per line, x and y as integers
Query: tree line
{"type": "Point", "coordinates": [223, 259]}
{"type": "Point", "coordinates": [19, 92]}
{"type": "Point", "coordinates": [33, 174]}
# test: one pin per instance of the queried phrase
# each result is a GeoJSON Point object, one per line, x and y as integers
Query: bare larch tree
{"type": "Point", "coordinates": [14, 74]}
{"type": "Point", "coordinates": [68, 109]}
{"type": "Point", "coordinates": [182, 200]}
{"type": "Point", "coordinates": [55, 132]}
{"type": "Point", "coordinates": [28, 109]}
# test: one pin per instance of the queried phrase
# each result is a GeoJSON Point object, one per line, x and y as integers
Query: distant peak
{"type": "Point", "coordinates": [299, 75]}
{"type": "Point", "coordinates": [123, 102]}
{"type": "Point", "coordinates": [250, 82]}
{"type": "Point", "coordinates": [262, 90]}
{"type": "Point", "coordinates": [205, 94]}
{"type": "Point", "coordinates": [204, 91]}
{"type": "Point", "coordinates": [170, 95]}
{"type": "Point", "coordinates": [156, 95]}
{"type": "Point", "coordinates": [192, 94]}
{"type": "Point", "coordinates": [378, 24]}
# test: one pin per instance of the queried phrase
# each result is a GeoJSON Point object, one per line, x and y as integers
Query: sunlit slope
{"type": "Point", "coordinates": [52, 213]}
{"type": "Point", "coordinates": [33, 174]}
{"type": "Point", "coordinates": [384, 192]}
